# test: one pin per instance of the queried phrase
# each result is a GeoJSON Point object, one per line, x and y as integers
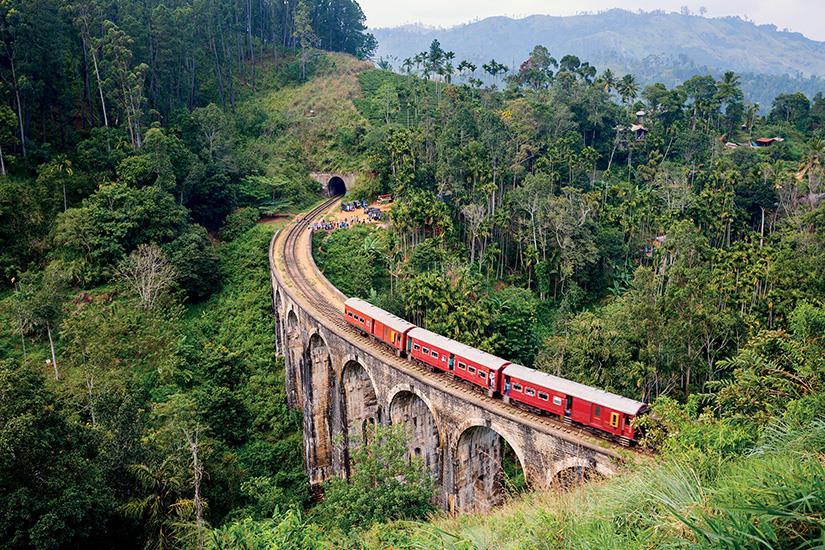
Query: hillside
{"type": "Point", "coordinates": [665, 47]}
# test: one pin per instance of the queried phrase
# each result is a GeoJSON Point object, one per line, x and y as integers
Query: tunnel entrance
{"type": "Point", "coordinates": [336, 187]}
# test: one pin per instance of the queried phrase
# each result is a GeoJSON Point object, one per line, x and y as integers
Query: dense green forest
{"type": "Point", "coordinates": [630, 238]}
{"type": "Point", "coordinates": [142, 400]}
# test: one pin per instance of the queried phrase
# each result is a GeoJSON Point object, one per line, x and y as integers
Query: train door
{"type": "Point", "coordinates": [568, 408]}
{"type": "Point", "coordinates": [451, 362]}
{"type": "Point", "coordinates": [616, 421]}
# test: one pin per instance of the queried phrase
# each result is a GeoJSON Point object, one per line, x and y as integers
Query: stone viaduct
{"type": "Point", "coordinates": [343, 384]}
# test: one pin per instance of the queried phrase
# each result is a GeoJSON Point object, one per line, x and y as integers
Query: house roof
{"type": "Point", "coordinates": [458, 349]}
{"type": "Point", "coordinates": [574, 389]}
{"type": "Point", "coordinates": [393, 321]}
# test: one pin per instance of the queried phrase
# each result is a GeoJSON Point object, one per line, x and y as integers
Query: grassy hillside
{"type": "Point", "coordinates": [314, 123]}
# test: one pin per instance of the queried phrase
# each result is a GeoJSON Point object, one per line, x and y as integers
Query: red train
{"type": "Point", "coordinates": [382, 325]}
{"type": "Point", "coordinates": [473, 365]}
{"type": "Point", "coordinates": [607, 413]}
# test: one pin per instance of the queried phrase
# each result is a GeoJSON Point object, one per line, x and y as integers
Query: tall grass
{"type": "Point", "coordinates": [771, 497]}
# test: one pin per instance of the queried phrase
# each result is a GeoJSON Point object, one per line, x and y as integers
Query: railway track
{"type": "Point", "coordinates": [292, 251]}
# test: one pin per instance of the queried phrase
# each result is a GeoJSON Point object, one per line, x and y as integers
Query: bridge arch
{"type": "Point", "coordinates": [410, 408]}
{"type": "Point", "coordinates": [361, 407]}
{"type": "Point", "coordinates": [317, 385]}
{"type": "Point", "coordinates": [480, 478]}
{"type": "Point", "coordinates": [572, 471]}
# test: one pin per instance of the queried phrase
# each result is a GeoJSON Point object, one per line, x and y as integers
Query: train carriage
{"type": "Point", "coordinates": [480, 368]}
{"type": "Point", "coordinates": [579, 403]}
{"type": "Point", "coordinates": [382, 325]}
{"type": "Point", "coordinates": [595, 409]}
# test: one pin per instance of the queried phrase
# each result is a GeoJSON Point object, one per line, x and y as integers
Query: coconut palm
{"type": "Point", "coordinates": [607, 80]}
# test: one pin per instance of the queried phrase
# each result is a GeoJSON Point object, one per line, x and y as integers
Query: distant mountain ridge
{"type": "Point", "coordinates": [655, 46]}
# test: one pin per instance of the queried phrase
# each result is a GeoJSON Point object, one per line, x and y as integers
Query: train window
{"type": "Point", "coordinates": [530, 391]}
{"type": "Point", "coordinates": [614, 420]}
{"type": "Point", "coordinates": [597, 412]}
{"type": "Point", "coordinates": [462, 366]}
{"type": "Point", "coordinates": [482, 374]}
{"type": "Point", "coordinates": [435, 354]}
{"type": "Point", "coordinates": [516, 387]}
{"type": "Point", "coordinates": [543, 396]}
{"type": "Point", "coordinates": [471, 369]}
{"type": "Point", "coordinates": [557, 400]}
{"type": "Point", "coordinates": [443, 358]}
{"type": "Point", "coordinates": [349, 313]}
{"type": "Point", "coordinates": [425, 350]}
{"type": "Point", "coordinates": [417, 347]}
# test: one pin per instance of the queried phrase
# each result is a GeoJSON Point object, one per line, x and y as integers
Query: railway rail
{"type": "Point", "coordinates": [295, 269]}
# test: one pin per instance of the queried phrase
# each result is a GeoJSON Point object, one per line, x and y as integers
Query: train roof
{"type": "Point", "coordinates": [457, 348]}
{"type": "Point", "coordinates": [385, 317]}
{"type": "Point", "coordinates": [575, 389]}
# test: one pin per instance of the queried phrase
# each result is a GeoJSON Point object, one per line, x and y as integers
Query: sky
{"type": "Point", "coordinates": [805, 16]}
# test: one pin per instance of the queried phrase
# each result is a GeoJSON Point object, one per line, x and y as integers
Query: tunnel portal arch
{"type": "Point", "coordinates": [336, 186]}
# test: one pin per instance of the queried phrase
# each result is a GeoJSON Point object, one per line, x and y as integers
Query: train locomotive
{"type": "Point", "coordinates": [607, 414]}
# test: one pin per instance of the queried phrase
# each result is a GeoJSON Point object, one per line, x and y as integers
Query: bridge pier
{"type": "Point", "coordinates": [343, 385]}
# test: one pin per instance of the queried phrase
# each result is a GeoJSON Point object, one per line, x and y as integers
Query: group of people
{"type": "Point", "coordinates": [346, 223]}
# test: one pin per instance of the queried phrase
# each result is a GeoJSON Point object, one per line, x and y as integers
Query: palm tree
{"type": "Point", "coordinates": [627, 88]}
{"type": "Point", "coordinates": [160, 509]}
{"type": "Point", "coordinates": [447, 68]}
{"type": "Point", "coordinates": [608, 80]}
{"type": "Point", "coordinates": [728, 87]}
{"type": "Point", "coordinates": [812, 167]}
{"type": "Point", "coordinates": [753, 111]}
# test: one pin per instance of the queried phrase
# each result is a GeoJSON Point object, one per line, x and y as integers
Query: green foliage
{"type": "Point", "coordinates": [240, 385]}
{"type": "Point", "coordinates": [773, 369]}
{"type": "Point", "coordinates": [95, 236]}
{"type": "Point", "coordinates": [288, 530]}
{"type": "Point", "coordinates": [354, 260]}
{"type": "Point", "coordinates": [50, 495]}
{"type": "Point", "coordinates": [772, 494]}
{"type": "Point", "coordinates": [26, 208]}
{"type": "Point", "coordinates": [239, 222]}
{"type": "Point", "coordinates": [195, 261]}
{"type": "Point", "coordinates": [385, 485]}
{"type": "Point", "coordinates": [514, 319]}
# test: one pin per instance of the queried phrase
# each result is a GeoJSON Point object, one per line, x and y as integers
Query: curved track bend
{"type": "Point", "coordinates": [293, 265]}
